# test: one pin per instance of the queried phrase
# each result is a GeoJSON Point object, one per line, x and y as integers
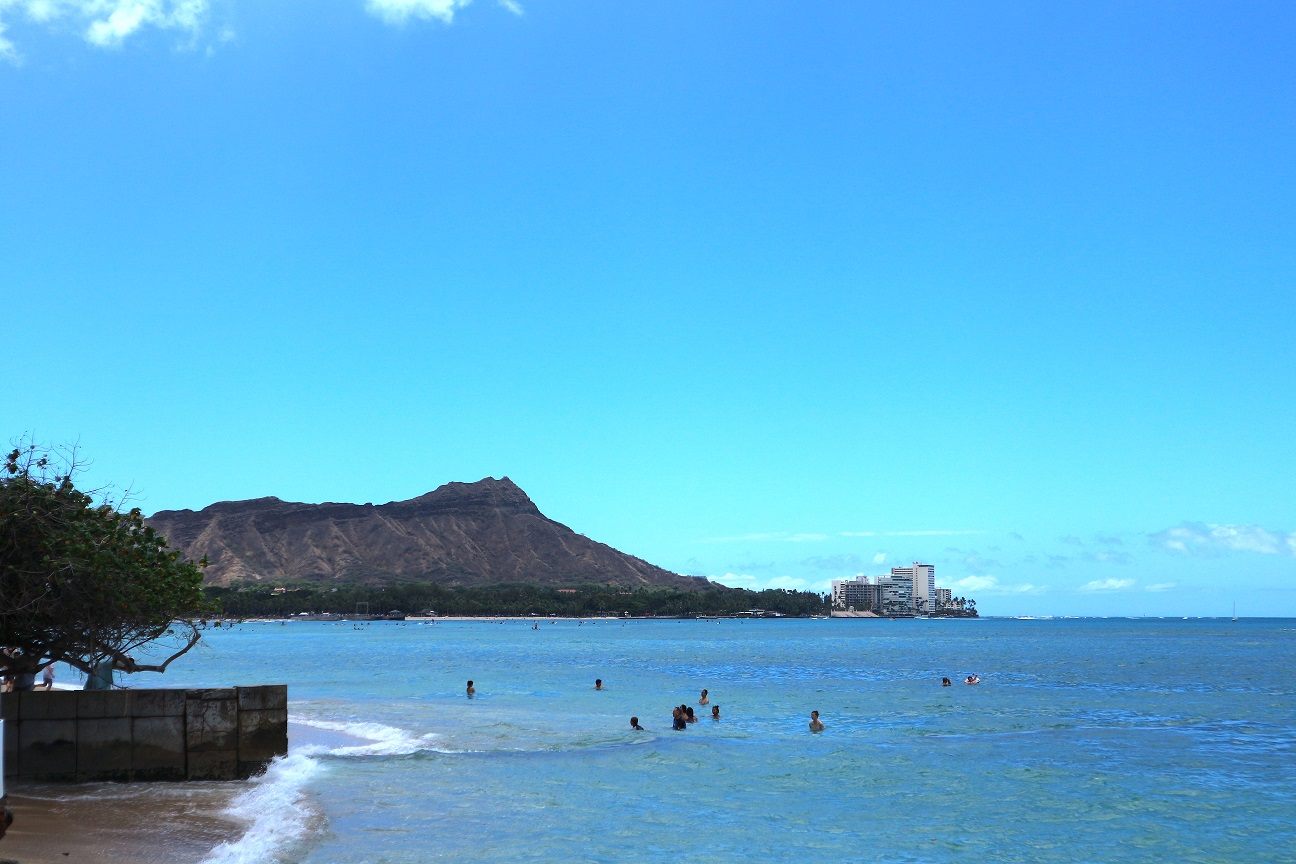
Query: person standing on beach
{"type": "Point", "coordinates": [816, 725]}
{"type": "Point", "coordinates": [47, 677]}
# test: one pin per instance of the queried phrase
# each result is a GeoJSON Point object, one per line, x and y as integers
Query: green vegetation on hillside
{"type": "Point", "coordinates": [518, 599]}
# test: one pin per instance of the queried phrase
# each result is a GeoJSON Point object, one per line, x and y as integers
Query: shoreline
{"type": "Point", "coordinates": [109, 823]}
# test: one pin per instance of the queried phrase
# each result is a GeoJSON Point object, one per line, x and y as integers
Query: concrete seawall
{"type": "Point", "coordinates": [132, 735]}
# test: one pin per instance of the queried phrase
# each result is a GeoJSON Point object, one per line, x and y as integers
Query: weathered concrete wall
{"type": "Point", "coordinates": [130, 735]}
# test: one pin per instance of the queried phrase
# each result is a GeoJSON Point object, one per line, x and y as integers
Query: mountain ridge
{"type": "Point", "coordinates": [459, 534]}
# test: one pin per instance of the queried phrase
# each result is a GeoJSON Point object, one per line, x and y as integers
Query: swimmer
{"type": "Point", "coordinates": [816, 725]}
{"type": "Point", "coordinates": [689, 716]}
{"type": "Point", "coordinates": [598, 683]}
{"type": "Point", "coordinates": [634, 724]}
{"type": "Point", "coordinates": [972, 679]}
{"type": "Point", "coordinates": [703, 699]}
{"type": "Point", "coordinates": [677, 720]}
{"type": "Point", "coordinates": [945, 682]}
{"type": "Point", "coordinates": [715, 712]}
{"type": "Point", "coordinates": [471, 689]}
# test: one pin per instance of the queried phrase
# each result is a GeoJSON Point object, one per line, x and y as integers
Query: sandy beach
{"type": "Point", "coordinates": [131, 823]}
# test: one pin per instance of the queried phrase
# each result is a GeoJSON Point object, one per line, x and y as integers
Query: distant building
{"type": "Point", "coordinates": [907, 591]}
{"type": "Point", "coordinates": [922, 579]}
{"type": "Point", "coordinates": [854, 594]}
{"type": "Point", "coordinates": [895, 594]}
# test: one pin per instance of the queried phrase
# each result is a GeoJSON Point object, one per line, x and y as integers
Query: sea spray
{"type": "Point", "coordinates": [275, 811]}
{"type": "Point", "coordinates": [378, 739]}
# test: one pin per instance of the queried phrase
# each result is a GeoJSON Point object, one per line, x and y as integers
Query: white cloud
{"type": "Point", "coordinates": [512, 6]}
{"type": "Point", "coordinates": [1205, 538]}
{"type": "Point", "coordinates": [879, 558]}
{"type": "Point", "coordinates": [976, 583]}
{"type": "Point", "coordinates": [400, 11]}
{"type": "Point", "coordinates": [735, 580]}
{"type": "Point", "coordinates": [1107, 585]}
{"type": "Point", "coordinates": [1160, 586]}
{"type": "Point", "coordinates": [7, 50]}
{"type": "Point", "coordinates": [106, 23]}
{"type": "Point", "coordinates": [991, 585]}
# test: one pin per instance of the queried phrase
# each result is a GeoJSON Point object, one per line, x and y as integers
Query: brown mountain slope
{"type": "Point", "coordinates": [460, 534]}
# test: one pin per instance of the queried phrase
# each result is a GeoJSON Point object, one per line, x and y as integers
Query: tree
{"type": "Point", "coordinates": [87, 583]}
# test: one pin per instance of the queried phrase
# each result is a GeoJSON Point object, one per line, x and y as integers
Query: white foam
{"type": "Point", "coordinates": [275, 810]}
{"type": "Point", "coordinates": [382, 740]}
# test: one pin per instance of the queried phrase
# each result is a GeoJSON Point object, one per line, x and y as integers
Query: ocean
{"type": "Point", "coordinates": [1088, 740]}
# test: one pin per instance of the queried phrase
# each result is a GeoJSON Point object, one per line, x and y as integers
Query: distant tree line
{"type": "Point", "coordinates": [511, 599]}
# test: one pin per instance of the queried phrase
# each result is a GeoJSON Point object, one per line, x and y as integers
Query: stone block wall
{"type": "Point", "coordinates": [131, 735]}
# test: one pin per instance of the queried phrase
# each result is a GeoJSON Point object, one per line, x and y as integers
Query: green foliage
{"type": "Point", "coordinates": [83, 582]}
{"type": "Point", "coordinates": [513, 599]}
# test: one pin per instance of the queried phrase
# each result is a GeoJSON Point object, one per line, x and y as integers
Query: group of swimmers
{"type": "Point", "coordinates": [682, 715]}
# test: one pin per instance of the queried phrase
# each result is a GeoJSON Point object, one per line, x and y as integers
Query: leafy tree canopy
{"type": "Point", "coordinates": [86, 582]}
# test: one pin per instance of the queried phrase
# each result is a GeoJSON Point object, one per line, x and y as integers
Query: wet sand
{"type": "Point", "coordinates": [127, 823]}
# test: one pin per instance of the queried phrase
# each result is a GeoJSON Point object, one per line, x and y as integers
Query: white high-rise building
{"type": "Point", "coordinates": [923, 579]}
{"type": "Point", "coordinates": [895, 594]}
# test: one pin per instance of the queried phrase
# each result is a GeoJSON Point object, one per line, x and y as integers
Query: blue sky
{"type": "Point", "coordinates": [774, 293]}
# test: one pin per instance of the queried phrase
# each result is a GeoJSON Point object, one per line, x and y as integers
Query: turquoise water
{"type": "Point", "coordinates": [1088, 740]}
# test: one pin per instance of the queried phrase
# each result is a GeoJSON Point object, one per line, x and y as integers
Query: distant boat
{"type": "Point", "coordinates": [1234, 610]}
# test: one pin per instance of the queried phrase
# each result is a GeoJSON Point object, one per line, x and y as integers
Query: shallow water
{"type": "Point", "coordinates": [1088, 740]}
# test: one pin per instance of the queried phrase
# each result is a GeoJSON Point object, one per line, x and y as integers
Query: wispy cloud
{"type": "Point", "coordinates": [837, 563]}
{"type": "Point", "coordinates": [1208, 539]}
{"type": "Point", "coordinates": [921, 532]}
{"type": "Point", "coordinates": [8, 52]}
{"type": "Point", "coordinates": [400, 11]}
{"type": "Point", "coordinates": [754, 583]}
{"type": "Point", "coordinates": [992, 585]}
{"type": "Point", "coordinates": [111, 23]}
{"type": "Point", "coordinates": [880, 558]}
{"type": "Point", "coordinates": [770, 537]}
{"type": "Point", "coordinates": [104, 23]}
{"type": "Point", "coordinates": [1108, 585]}
{"type": "Point", "coordinates": [1160, 586]}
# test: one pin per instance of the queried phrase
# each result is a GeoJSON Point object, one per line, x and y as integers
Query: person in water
{"type": "Point", "coordinates": [471, 689]}
{"type": "Point", "coordinates": [715, 712]}
{"type": "Point", "coordinates": [703, 699]}
{"type": "Point", "coordinates": [689, 716]}
{"type": "Point", "coordinates": [677, 720]}
{"type": "Point", "coordinates": [945, 682]}
{"type": "Point", "coordinates": [598, 683]}
{"type": "Point", "coordinates": [816, 725]}
{"type": "Point", "coordinates": [634, 724]}
{"type": "Point", "coordinates": [972, 679]}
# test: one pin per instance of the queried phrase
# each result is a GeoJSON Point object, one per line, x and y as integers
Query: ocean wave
{"type": "Point", "coordinates": [380, 739]}
{"type": "Point", "coordinates": [276, 810]}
